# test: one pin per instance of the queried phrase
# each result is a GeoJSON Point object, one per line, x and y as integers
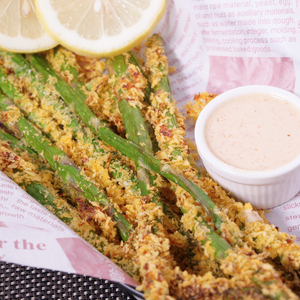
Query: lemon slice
{"type": "Point", "coordinates": [20, 28]}
{"type": "Point", "coordinates": [100, 27]}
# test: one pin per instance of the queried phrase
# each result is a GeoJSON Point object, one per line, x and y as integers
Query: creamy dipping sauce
{"type": "Point", "coordinates": [254, 132]}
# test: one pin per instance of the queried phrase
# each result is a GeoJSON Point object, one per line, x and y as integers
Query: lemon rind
{"type": "Point", "coordinates": [113, 52]}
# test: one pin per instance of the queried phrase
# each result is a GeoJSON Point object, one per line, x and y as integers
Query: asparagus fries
{"type": "Point", "coordinates": [65, 167]}
{"type": "Point", "coordinates": [23, 166]}
{"type": "Point", "coordinates": [161, 235]}
{"type": "Point", "coordinates": [155, 209]}
{"type": "Point", "coordinates": [75, 99]}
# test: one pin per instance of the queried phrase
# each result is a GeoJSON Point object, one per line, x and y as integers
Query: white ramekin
{"type": "Point", "coordinates": [263, 189]}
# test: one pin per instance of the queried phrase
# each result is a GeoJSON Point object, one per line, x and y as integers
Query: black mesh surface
{"type": "Point", "coordinates": [21, 282]}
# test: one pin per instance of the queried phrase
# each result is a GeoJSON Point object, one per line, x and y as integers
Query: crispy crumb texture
{"type": "Point", "coordinates": [175, 249]}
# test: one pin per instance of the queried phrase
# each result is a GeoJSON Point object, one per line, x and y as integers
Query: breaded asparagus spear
{"type": "Point", "coordinates": [135, 127]}
{"type": "Point", "coordinates": [118, 170]}
{"type": "Point", "coordinates": [65, 167]}
{"type": "Point", "coordinates": [120, 67]}
{"type": "Point", "coordinates": [170, 129]}
{"type": "Point", "coordinates": [49, 177]}
{"type": "Point", "coordinates": [62, 60]}
{"type": "Point", "coordinates": [79, 142]}
{"type": "Point", "coordinates": [30, 177]}
{"type": "Point", "coordinates": [248, 277]}
{"type": "Point", "coordinates": [75, 99]}
{"type": "Point", "coordinates": [64, 63]}
{"type": "Point", "coordinates": [125, 89]}
{"type": "Point", "coordinates": [208, 285]}
{"type": "Point", "coordinates": [128, 83]}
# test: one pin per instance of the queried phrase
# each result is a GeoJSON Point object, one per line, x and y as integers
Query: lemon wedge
{"type": "Point", "coordinates": [20, 28]}
{"type": "Point", "coordinates": [100, 27]}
